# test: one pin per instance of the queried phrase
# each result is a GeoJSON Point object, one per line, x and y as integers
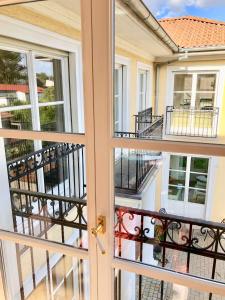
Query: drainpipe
{"type": "Point", "coordinates": [157, 71]}
{"type": "Point", "coordinates": [143, 13]}
{"type": "Point", "coordinates": [157, 67]}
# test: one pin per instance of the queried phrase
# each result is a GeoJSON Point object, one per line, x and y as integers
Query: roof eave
{"type": "Point", "coordinates": [201, 49]}
{"type": "Point", "coordinates": [141, 10]}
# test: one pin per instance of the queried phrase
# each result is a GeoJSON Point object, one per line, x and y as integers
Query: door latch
{"type": "Point", "coordinates": [99, 229]}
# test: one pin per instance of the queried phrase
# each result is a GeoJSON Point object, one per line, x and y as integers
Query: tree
{"type": "Point", "coordinates": [12, 68]}
{"type": "Point", "coordinates": [41, 79]}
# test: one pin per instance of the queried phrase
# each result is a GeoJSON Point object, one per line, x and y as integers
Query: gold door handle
{"type": "Point", "coordinates": [99, 229]}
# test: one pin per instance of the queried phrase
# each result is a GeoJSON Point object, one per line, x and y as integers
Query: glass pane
{"type": "Point", "coordinates": [49, 79]}
{"type": "Point", "coordinates": [204, 101]}
{"type": "Point", "coordinates": [14, 88]}
{"type": "Point", "coordinates": [177, 178]}
{"type": "Point", "coordinates": [16, 149]}
{"type": "Point", "coordinates": [176, 193]}
{"type": "Point", "coordinates": [198, 181]}
{"type": "Point", "coordinates": [185, 101]}
{"type": "Point", "coordinates": [116, 85]}
{"type": "Point", "coordinates": [44, 190]}
{"type": "Point", "coordinates": [183, 82]}
{"type": "Point", "coordinates": [45, 71]}
{"type": "Point", "coordinates": [178, 162]}
{"type": "Point", "coordinates": [52, 118]}
{"type": "Point", "coordinates": [197, 196]}
{"type": "Point", "coordinates": [161, 221]}
{"type": "Point", "coordinates": [199, 165]}
{"type": "Point", "coordinates": [206, 82]}
{"type": "Point", "coordinates": [182, 100]}
{"type": "Point", "coordinates": [146, 288]}
{"type": "Point", "coordinates": [141, 82]}
{"type": "Point", "coordinates": [33, 273]}
{"type": "Point", "coordinates": [16, 119]}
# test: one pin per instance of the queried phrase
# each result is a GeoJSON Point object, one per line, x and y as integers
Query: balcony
{"type": "Point", "coordinates": [192, 122]}
{"type": "Point", "coordinates": [132, 169]}
{"type": "Point", "coordinates": [181, 244]}
{"type": "Point", "coordinates": [148, 125]}
{"type": "Point", "coordinates": [48, 194]}
{"type": "Point", "coordinates": [178, 122]}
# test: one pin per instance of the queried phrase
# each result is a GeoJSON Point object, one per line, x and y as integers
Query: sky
{"type": "Point", "coordinates": [212, 9]}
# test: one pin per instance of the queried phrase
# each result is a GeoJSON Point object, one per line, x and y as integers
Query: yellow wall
{"type": "Point", "coordinates": [218, 190]}
{"type": "Point", "coordinates": [218, 198]}
{"type": "Point", "coordinates": [134, 59]}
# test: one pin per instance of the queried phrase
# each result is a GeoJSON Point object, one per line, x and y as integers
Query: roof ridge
{"type": "Point", "coordinates": [194, 18]}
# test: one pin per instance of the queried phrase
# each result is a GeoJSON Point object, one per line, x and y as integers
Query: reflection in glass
{"type": "Point", "coordinates": [176, 193]}
{"type": "Point", "coordinates": [177, 178]}
{"type": "Point", "coordinates": [178, 162]}
{"type": "Point", "coordinates": [49, 79]}
{"type": "Point", "coordinates": [14, 88]}
{"type": "Point", "coordinates": [16, 119]}
{"type": "Point", "coordinates": [15, 148]}
{"type": "Point", "coordinates": [52, 118]}
{"type": "Point", "coordinates": [196, 196]}
{"type": "Point", "coordinates": [198, 180]}
{"type": "Point", "coordinates": [206, 82]}
{"type": "Point", "coordinates": [199, 164]}
{"type": "Point", "coordinates": [35, 273]}
{"type": "Point", "coordinates": [182, 82]}
{"type": "Point", "coordinates": [182, 100]}
{"type": "Point", "coordinates": [204, 101]}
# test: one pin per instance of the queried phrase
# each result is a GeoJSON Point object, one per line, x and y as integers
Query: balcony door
{"type": "Point", "coordinates": [194, 102]}
{"type": "Point", "coordinates": [188, 185]}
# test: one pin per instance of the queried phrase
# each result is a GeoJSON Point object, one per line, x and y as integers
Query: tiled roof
{"type": "Point", "coordinates": [189, 32]}
{"type": "Point", "coordinates": [18, 88]}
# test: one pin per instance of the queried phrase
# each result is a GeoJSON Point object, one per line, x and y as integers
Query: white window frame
{"type": "Point", "coordinates": [126, 71]}
{"type": "Point", "coordinates": [208, 191]}
{"type": "Point", "coordinates": [149, 73]}
{"type": "Point", "coordinates": [97, 24]}
{"type": "Point", "coordinates": [219, 70]}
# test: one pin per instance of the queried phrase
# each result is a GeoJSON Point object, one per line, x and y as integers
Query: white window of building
{"type": "Point", "coordinates": [121, 118]}
{"type": "Point", "coordinates": [188, 177]}
{"type": "Point", "coordinates": [33, 93]}
{"type": "Point", "coordinates": [143, 89]}
{"type": "Point", "coordinates": [196, 90]}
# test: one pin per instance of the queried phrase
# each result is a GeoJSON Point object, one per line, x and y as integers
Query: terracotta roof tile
{"type": "Point", "coordinates": [18, 88]}
{"type": "Point", "coordinates": [189, 31]}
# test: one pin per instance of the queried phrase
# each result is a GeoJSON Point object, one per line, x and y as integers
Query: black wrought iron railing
{"type": "Point", "coordinates": [142, 119]}
{"type": "Point", "coordinates": [34, 213]}
{"type": "Point", "coordinates": [132, 169]}
{"type": "Point", "coordinates": [148, 125]}
{"type": "Point", "coordinates": [173, 242]}
{"type": "Point", "coordinates": [192, 122]}
{"type": "Point", "coordinates": [48, 193]}
{"type": "Point", "coordinates": [57, 169]}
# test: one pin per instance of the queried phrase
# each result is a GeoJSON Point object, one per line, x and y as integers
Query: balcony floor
{"type": "Point", "coordinates": [199, 266]}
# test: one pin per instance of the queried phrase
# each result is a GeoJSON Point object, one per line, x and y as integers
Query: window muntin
{"type": "Point", "coordinates": [191, 178]}
{"type": "Point", "coordinates": [38, 96]}
{"type": "Point", "coordinates": [34, 98]}
{"type": "Point", "coordinates": [196, 90]}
